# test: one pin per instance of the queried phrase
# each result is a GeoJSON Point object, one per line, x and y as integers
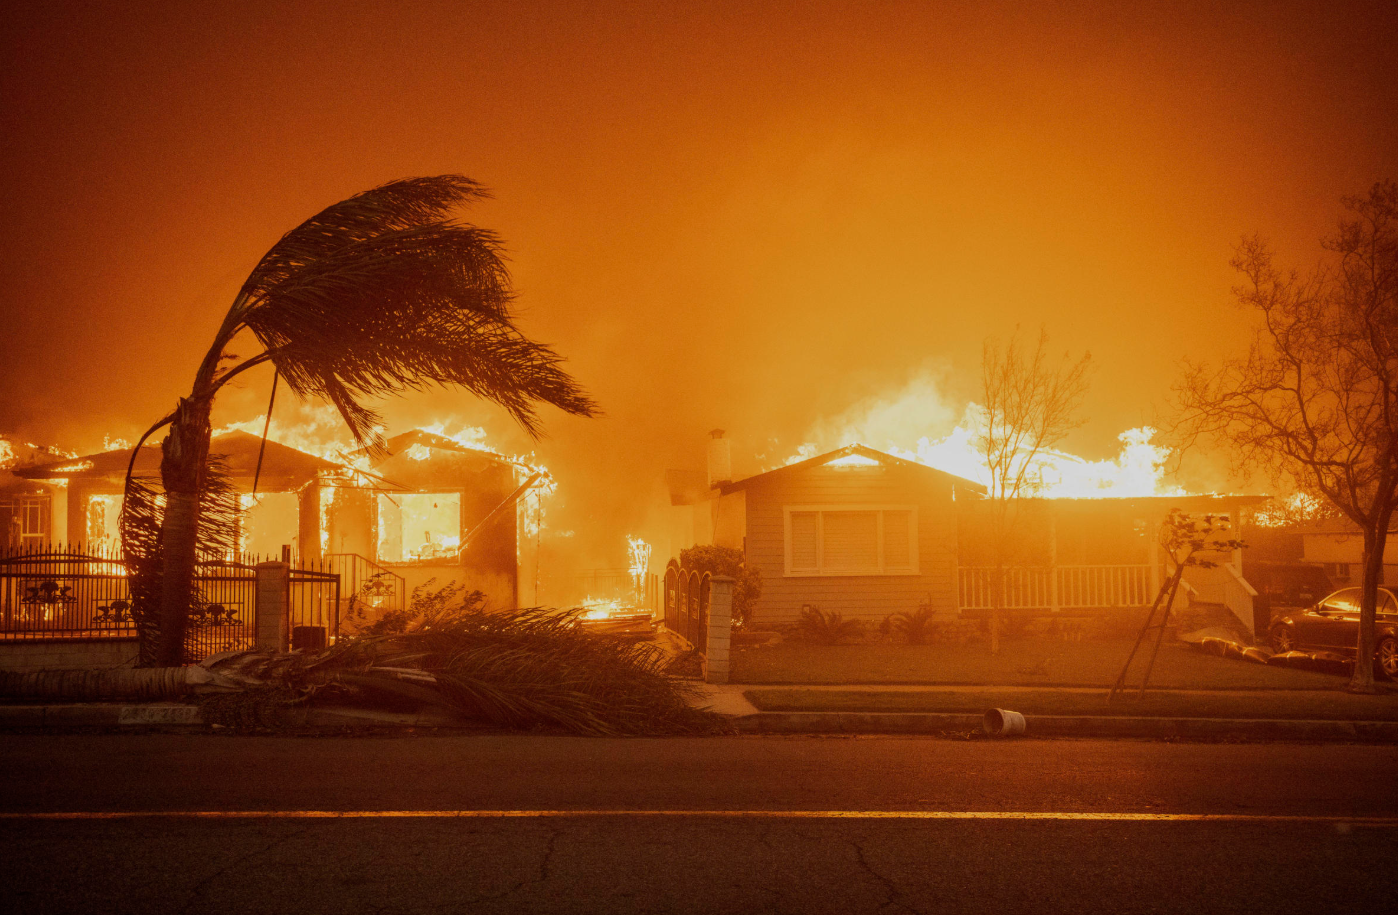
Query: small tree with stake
{"type": "Point", "coordinates": [1031, 404]}
{"type": "Point", "coordinates": [1189, 542]}
{"type": "Point", "coordinates": [1315, 400]}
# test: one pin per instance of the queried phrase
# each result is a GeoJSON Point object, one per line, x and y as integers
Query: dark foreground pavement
{"type": "Point", "coordinates": [728, 825]}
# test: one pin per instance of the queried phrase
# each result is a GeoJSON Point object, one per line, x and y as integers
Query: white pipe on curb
{"type": "Point", "coordinates": [1000, 722]}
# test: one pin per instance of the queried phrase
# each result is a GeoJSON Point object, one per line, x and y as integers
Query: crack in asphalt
{"type": "Point", "coordinates": [198, 890]}
{"type": "Point", "coordinates": [891, 892]}
{"type": "Point", "coordinates": [550, 846]}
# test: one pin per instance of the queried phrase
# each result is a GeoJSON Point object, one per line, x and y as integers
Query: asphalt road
{"type": "Point", "coordinates": [547, 824]}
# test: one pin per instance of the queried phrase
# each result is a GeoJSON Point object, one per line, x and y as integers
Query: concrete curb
{"type": "Point", "coordinates": [83, 715]}
{"type": "Point", "coordinates": [109, 715]}
{"type": "Point", "coordinates": [1070, 726]}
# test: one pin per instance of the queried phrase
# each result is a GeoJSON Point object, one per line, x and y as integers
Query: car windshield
{"type": "Point", "coordinates": [1346, 601]}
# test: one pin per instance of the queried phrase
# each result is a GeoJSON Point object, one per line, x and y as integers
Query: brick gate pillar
{"type": "Point", "coordinates": [720, 629]}
{"type": "Point", "coordinates": [271, 611]}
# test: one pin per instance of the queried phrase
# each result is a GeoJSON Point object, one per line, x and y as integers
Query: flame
{"type": "Point", "coordinates": [1299, 506]}
{"type": "Point", "coordinates": [7, 453]}
{"type": "Point", "coordinates": [103, 521]}
{"type": "Point", "coordinates": [913, 424]}
{"type": "Point", "coordinates": [639, 551]}
{"type": "Point", "coordinates": [596, 608]}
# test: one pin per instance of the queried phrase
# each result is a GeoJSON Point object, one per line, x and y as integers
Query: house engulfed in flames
{"type": "Point", "coordinates": [868, 534]}
{"type": "Point", "coordinates": [429, 508]}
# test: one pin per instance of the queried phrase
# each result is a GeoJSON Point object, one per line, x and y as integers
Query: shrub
{"type": "Point", "coordinates": [723, 560]}
{"type": "Point", "coordinates": [827, 628]}
{"type": "Point", "coordinates": [425, 604]}
{"type": "Point", "coordinates": [916, 628]}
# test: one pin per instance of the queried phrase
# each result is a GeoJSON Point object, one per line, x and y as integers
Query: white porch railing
{"type": "Point", "coordinates": [1223, 585]}
{"type": "Point", "coordinates": [1063, 587]}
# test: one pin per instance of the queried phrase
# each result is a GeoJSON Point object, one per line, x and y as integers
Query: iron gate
{"type": "Point", "coordinates": [687, 604]}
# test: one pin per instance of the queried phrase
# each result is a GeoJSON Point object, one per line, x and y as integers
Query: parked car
{"type": "Point", "coordinates": [1333, 625]}
{"type": "Point", "coordinates": [1287, 584]}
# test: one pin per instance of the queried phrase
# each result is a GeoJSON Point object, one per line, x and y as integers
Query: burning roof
{"type": "Point", "coordinates": [283, 468]}
{"type": "Point", "coordinates": [852, 456]}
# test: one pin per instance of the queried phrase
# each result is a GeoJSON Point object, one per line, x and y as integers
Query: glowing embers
{"type": "Point", "coordinates": [614, 618]}
{"type": "Point", "coordinates": [415, 527]}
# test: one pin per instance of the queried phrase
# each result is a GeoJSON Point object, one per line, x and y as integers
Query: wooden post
{"type": "Point", "coordinates": [1053, 562]}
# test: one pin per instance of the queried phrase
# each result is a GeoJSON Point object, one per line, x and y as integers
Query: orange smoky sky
{"type": "Point", "coordinates": [741, 215]}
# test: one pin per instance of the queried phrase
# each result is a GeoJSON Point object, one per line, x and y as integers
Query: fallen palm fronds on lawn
{"type": "Point", "coordinates": [519, 669]}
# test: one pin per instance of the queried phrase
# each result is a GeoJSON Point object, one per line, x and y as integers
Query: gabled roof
{"type": "Point", "coordinates": [851, 451]}
{"type": "Point", "coordinates": [287, 466]}
{"type": "Point", "coordinates": [402, 443]}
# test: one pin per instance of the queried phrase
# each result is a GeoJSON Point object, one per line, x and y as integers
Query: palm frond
{"type": "Point", "coordinates": [381, 293]}
{"type": "Point", "coordinates": [522, 669]}
{"type": "Point", "coordinates": [397, 205]}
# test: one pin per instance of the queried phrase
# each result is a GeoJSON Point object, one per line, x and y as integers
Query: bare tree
{"type": "Point", "coordinates": [1315, 400]}
{"type": "Point", "coordinates": [1031, 402]}
{"type": "Point", "coordinates": [380, 293]}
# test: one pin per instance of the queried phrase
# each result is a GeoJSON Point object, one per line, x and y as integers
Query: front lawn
{"type": "Point", "coordinates": [1021, 662]}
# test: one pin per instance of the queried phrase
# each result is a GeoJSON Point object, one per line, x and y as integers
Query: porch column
{"type": "Point", "coordinates": [271, 608]}
{"type": "Point", "coordinates": [720, 629]}
{"type": "Point", "coordinates": [1053, 562]}
{"type": "Point", "coordinates": [308, 521]}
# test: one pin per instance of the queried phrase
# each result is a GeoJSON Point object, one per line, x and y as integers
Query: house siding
{"type": "Point", "coordinates": [867, 597]}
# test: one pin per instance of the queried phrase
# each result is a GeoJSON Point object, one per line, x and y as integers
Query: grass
{"type": "Point", "coordinates": [1047, 701]}
{"type": "Point", "coordinates": [1021, 662]}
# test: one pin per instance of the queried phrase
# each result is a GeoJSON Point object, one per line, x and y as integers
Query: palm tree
{"type": "Point", "coordinates": [376, 295]}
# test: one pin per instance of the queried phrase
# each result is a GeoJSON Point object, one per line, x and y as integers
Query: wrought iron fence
{"type": "Point", "coordinates": [367, 591]}
{"type": "Point", "coordinates": [57, 592]}
{"type": "Point", "coordinates": [54, 591]}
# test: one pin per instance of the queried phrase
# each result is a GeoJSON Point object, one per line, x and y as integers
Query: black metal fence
{"type": "Point", "coordinates": [56, 592]}
{"type": "Point", "coordinates": [687, 604]}
{"type": "Point", "coordinates": [48, 592]}
{"type": "Point", "coordinates": [225, 616]}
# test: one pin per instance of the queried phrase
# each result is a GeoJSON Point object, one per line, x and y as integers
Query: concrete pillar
{"type": "Point", "coordinates": [720, 629]}
{"type": "Point", "coordinates": [273, 605]}
{"type": "Point", "coordinates": [308, 521]}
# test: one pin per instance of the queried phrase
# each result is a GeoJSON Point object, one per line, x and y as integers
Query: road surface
{"type": "Point", "coordinates": [800, 825]}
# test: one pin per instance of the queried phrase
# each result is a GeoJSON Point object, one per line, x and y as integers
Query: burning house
{"type": "Point", "coordinates": [86, 497]}
{"type": "Point", "coordinates": [426, 508]}
{"type": "Point", "coordinates": [430, 508]}
{"type": "Point", "coordinates": [867, 534]}
{"type": "Point", "coordinates": [26, 505]}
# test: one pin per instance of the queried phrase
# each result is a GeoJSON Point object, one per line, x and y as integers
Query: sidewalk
{"type": "Point", "coordinates": [815, 710]}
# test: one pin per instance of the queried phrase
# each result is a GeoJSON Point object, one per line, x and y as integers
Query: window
{"type": "Point", "coordinates": [1338, 571]}
{"type": "Point", "coordinates": [417, 527]}
{"type": "Point", "coordinates": [851, 540]}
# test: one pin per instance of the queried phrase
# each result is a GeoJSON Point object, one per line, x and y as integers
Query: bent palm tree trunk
{"type": "Point", "coordinates": [185, 454]}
